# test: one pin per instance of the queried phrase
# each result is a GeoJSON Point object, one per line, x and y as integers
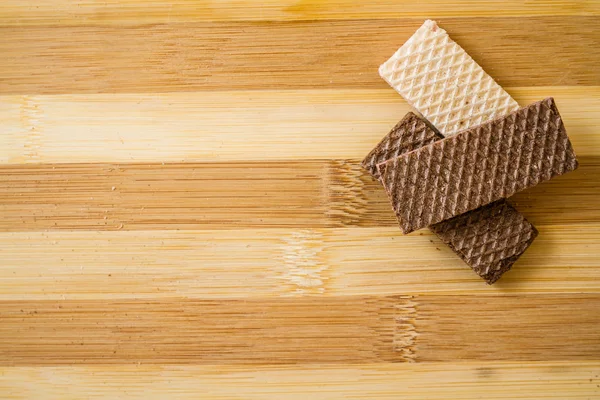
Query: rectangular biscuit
{"type": "Point", "coordinates": [407, 135]}
{"type": "Point", "coordinates": [478, 166]}
{"type": "Point", "coordinates": [478, 236]}
{"type": "Point", "coordinates": [438, 78]}
{"type": "Point", "coordinates": [489, 239]}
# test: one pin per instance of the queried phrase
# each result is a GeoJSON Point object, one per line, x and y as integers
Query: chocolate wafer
{"type": "Point", "coordinates": [489, 239]}
{"type": "Point", "coordinates": [409, 134]}
{"type": "Point", "coordinates": [437, 77]}
{"type": "Point", "coordinates": [478, 166]}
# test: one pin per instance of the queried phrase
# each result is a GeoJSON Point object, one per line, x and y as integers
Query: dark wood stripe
{"type": "Point", "coordinates": [534, 327]}
{"type": "Point", "coordinates": [302, 330]}
{"type": "Point", "coordinates": [247, 55]}
{"type": "Point", "coordinates": [279, 331]}
{"type": "Point", "coordinates": [308, 194]}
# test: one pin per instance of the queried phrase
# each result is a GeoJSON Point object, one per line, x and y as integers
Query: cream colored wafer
{"type": "Point", "coordinates": [438, 78]}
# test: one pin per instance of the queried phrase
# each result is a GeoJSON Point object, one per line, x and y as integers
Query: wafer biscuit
{"type": "Point", "coordinates": [409, 134]}
{"type": "Point", "coordinates": [437, 77]}
{"type": "Point", "coordinates": [478, 166]}
{"type": "Point", "coordinates": [489, 239]}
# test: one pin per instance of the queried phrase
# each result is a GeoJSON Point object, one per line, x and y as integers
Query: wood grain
{"type": "Point", "coordinates": [302, 194]}
{"type": "Point", "coordinates": [137, 12]}
{"type": "Point", "coordinates": [180, 331]}
{"type": "Point", "coordinates": [282, 55]}
{"type": "Point", "coordinates": [182, 213]}
{"type": "Point", "coordinates": [507, 327]}
{"type": "Point", "coordinates": [498, 380]}
{"type": "Point", "coordinates": [224, 125]}
{"type": "Point", "coordinates": [303, 330]}
{"type": "Point", "coordinates": [245, 263]}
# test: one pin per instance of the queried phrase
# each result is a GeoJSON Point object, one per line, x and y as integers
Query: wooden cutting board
{"type": "Point", "coordinates": [182, 212]}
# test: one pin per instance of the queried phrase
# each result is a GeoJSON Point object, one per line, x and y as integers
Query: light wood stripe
{"type": "Point", "coordinates": [305, 194]}
{"type": "Point", "coordinates": [233, 126]}
{"type": "Point", "coordinates": [498, 380]}
{"type": "Point", "coordinates": [278, 262]}
{"type": "Point", "coordinates": [137, 12]}
{"type": "Point", "coordinates": [527, 381]}
{"type": "Point", "coordinates": [304, 330]}
{"type": "Point", "coordinates": [282, 55]}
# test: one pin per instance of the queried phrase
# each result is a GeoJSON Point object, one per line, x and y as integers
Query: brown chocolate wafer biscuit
{"type": "Point", "coordinates": [478, 166]}
{"type": "Point", "coordinates": [409, 134]}
{"type": "Point", "coordinates": [489, 239]}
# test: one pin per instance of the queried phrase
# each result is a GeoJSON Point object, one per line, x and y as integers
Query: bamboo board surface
{"type": "Point", "coordinates": [183, 215]}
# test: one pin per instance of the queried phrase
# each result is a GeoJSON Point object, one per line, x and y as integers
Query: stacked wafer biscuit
{"type": "Point", "coordinates": [458, 185]}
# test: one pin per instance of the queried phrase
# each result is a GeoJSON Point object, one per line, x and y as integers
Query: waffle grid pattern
{"type": "Point", "coordinates": [438, 78]}
{"type": "Point", "coordinates": [489, 239]}
{"type": "Point", "coordinates": [481, 165]}
{"type": "Point", "coordinates": [409, 134]}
